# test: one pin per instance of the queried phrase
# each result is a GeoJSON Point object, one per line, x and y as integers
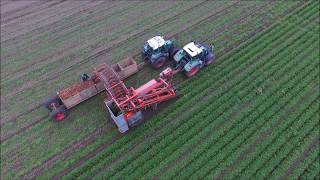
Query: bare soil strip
{"type": "Point", "coordinates": [66, 151]}
{"type": "Point", "coordinates": [99, 53]}
{"type": "Point", "coordinates": [30, 11]}
{"type": "Point", "coordinates": [43, 17]}
{"type": "Point", "coordinates": [265, 134]}
{"type": "Point", "coordinates": [61, 54]}
{"type": "Point", "coordinates": [74, 166]}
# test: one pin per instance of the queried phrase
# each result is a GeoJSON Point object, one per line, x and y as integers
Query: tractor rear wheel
{"type": "Point", "coordinates": [173, 52]}
{"type": "Point", "coordinates": [54, 100]}
{"type": "Point", "coordinates": [193, 71]}
{"type": "Point", "coordinates": [159, 62]}
{"type": "Point", "coordinates": [58, 114]}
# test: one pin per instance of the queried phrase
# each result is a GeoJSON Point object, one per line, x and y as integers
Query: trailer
{"type": "Point", "coordinates": [70, 97]}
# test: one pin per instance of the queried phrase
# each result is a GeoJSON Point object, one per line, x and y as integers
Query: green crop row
{"type": "Point", "coordinates": [130, 168]}
{"type": "Point", "coordinates": [249, 111]}
{"type": "Point", "coordinates": [40, 133]}
{"type": "Point", "coordinates": [251, 164]}
{"type": "Point", "coordinates": [39, 91]}
{"type": "Point", "coordinates": [242, 133]}
{"type": "Point", "coordinates": [311, 156]}
{"type": "Point", "coordinates": [294, 153]}
{"type": "Point", "coordinates": [246, 47]}
{"type": "Point", "coordinates": [175, 140]}
{"type": "Point", "coordinates": [312, 170]}
{"type": "Point", "coordinates": [284, 149]}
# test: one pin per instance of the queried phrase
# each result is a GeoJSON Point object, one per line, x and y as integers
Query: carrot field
{"type": "Point", "coordinates": [254, 114]}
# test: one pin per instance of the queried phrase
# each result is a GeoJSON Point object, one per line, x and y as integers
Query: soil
{"type": "Point", "coordinates": [37, 170]}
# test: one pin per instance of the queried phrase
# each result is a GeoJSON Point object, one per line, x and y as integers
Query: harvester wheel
{"type": "Point", "coordinates": [193, 71]}
{"type": "Point", "coordinates": [209, 59]}
{"type": "Point", "coordinates": [58, 114]}
{"type": "Point", "coordinates": [173, 52]}
{"type": "Point", "coordinates": [159, 62]}
{"type": "Point", "coordinates": [55, 100]}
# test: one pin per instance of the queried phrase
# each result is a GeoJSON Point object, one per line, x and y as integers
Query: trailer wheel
{"type": "Point", "coordinates": [159, 62]}
{"type": "Point", "coordinates": [58, 114]}
{"type": "Point", "coordinates": [193, 71]}
{"type": "Point", "coordinates": [173, 52]}
{"type": "Point", "coordinates": [55, 100]}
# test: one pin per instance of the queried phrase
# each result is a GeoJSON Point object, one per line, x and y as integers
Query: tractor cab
{"type": "Point", "coordinates": [192, 57]}
{"type": "Point", "coordinates": [157, 51]}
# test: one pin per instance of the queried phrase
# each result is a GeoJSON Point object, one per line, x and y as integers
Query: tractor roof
{"type": "Point", "coordinates": [192, 49]}
{"type": "Point", "coordinates": [156, 42]}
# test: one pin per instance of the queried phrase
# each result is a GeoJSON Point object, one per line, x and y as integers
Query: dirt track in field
{"type": "Point", "coordinates": [105, 145]}
{"type": "Point", "coordinates": [95, 55]}
{"type": "Point", "coordinates": [11, 19]}
{"type": "Point", "coordinates": [226, 51]}
{"type": "Point", "coordinates": [99, 53]}
{"type": "Point", "coordinates": [69, 151]}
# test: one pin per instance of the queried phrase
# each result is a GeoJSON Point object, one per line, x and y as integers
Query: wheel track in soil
{"type": "Point", "coordinates": [119, 137]}
{"type": "Point", "coordinates": [227, 50]}
{"type": "Point", "coordinates": [188, 151]}
{"type": "Point", "coordinates": [49, 29]}
{"type": "Point", "coordinates": [219, 31]}
{"type": "Point", "coordinates": [97, 55]}
{"type": "Point", "coordinates": [111, 47]}
{"type": "Point", "coordinates": [5, 21]}
{"type": "Point", "coordinates": [19, 9]}
{"type": "Point", "coordinates": [140, 66]}
{"type": "Point", "coordinates": [60, 30]}
{"type": "Point", "coordinates": [296, 163]}
{"type": "Point", "coordinates": [101, 53]}
{"type": "Point", "coordinates": [64, 32]}
{"type": "Point", "coordinates": [122, 41]}
{"type": "Point", "coordinates": [45, 26]}
{"type": "Point", "coordinates": [202, 165]}
{"type": "Point", "coordinates": [67, 151]}
{"type": "Point", "coordinates": [182, 156]}
{"type": "Point", "coordinates": [264, 135]}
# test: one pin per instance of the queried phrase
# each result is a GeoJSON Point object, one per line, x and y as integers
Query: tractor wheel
{"type": "Point", "coordinates": [55, 100]}
{"type": "Point", "coordinates": [193, 71]}
{"type": "Point", "coordinates": [209, 59]}
{"type": "Point", "coordinates": [159, 62]}
{"type": "Point", "coordinates": [58, 114]}
{"type": "Point", "coordinates": [173, 52]}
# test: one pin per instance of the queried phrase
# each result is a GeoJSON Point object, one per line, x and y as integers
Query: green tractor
{"type": "Point", "coordinates": [192, 57]}
{"type": "Point", "coordinates": [157, 51]}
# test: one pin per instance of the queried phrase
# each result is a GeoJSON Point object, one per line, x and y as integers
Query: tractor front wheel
{"type": "Point", "coordinates": [193, 71]}
{"type": "Point", "coordinates": [55, 100]}
{"type": "Point", "coordinates": [58, 114]}
{"type": "Point", "coordinates": [159, 62]}
{"type": "Point", "coordinates": [173, 52]}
